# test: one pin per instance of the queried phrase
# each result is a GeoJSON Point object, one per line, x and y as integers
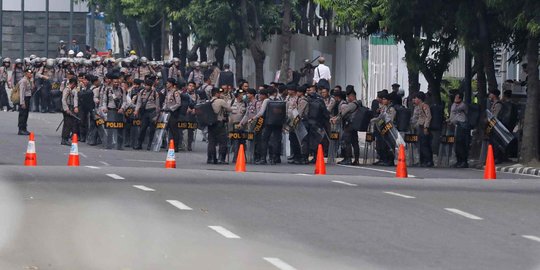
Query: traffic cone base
{"type": "Point", "coordinates": [31, 157]}
{"type": "Point", "coordinates": [401, 170]}
{"type": "Point", "coordinates": [320, 166]}
{"type": "Point", "coordinates": [489, 170]}
{"type": "Point", "coordinates": [170, 162]}
{"type": "Point", "coordinates": [241, 160]}
{"type": "Point", "coordinates": [73, 160]}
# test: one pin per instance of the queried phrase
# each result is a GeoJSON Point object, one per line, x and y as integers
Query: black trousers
{"type": "Point", "coordinates": [462, 142]}
{"type": "Point", "coordinates": [217, 137]}
{"type": "Point", "coordinates": [84, 115]}
{"type": "Point", "coordinates": [349, 143]}
{"type": "Point", "coordinates": [147, 119]}
{"type": "Point", "coordinates": [311, 141]}
{"type": "Point", "coordinates": [424, 145]}
{"type": "Point", "coordinates": [71, 126]}
{"type": "Point", "coordinates": [4, 100]}
{"type": "Point", "coordinates": [270, 142]}
{"type": "Point", "coordinates": [45, 95]}
{"type": "Point", "coordinates": [383, 150]}
{"type": "Point", "coordinates": [175, 131]}
{"type": "Point", "coordinates": [23, 114]}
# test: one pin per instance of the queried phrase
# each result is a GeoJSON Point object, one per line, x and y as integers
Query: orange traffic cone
{"type": "Point", "coordinates": [73, 159]}
{"type": "Point", "coordinates": [320, 167]}
{"type": "Point", "coordinates": [401, 170]}
{"type": "Point", "coordinates": [31, 157]}
{"type": "Point", "coordinates": [241, 160]}
{"type": "Point", "coordinates": [170, 162]}
{"type": "Point", "coordinates": [489, 170]}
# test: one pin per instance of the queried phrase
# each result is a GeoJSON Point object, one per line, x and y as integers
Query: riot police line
{"type": "Point", "coordinates": [134, 103]}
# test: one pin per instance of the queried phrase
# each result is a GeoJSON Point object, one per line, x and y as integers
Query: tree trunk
{"type": "Point", "coordinates": [157, 46]}
{"type": "Point", "coordinates": [121, 45]}
{"type": "Point", "coordinates": [258, 58]}
{"type": "Point", "coordinates": [175, 41]}
{"type": "Point", "coordinates": [149, 40]}
{"type": "Point", "coordinates": [467, 81]}
{"type": "Point", "coordinates": [529, 146]}
{"type": "Point", "coordinates": [489, 67]}
{"type": "Point", "coordinates": [192, 54]}
{"type": "Point", "coordinates": [477, 140]}
{"type": "Point", "coordinates": [165, 52]}
{"type": "Point", "coordinates": [203, 53]}
{"type": "Point", "coordinates": [254, 43]}
{"type": "Point", "coordinates": [285, 41]}
{"type": "Point", "coordinates": [219, 55]}
{"type": "Point", "coordinates": [412, 72]}
{"type": "Point", "coordinates": [239, 60]}
{"type": "Point", "coordinates": [481, 84]}
{"type": "Point", "coordinates": [135, 35]}
{"type": "Point", "coordinates": [183, 49]}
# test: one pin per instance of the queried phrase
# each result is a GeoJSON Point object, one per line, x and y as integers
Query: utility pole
{"type": "Point", "coordinates": [1, 24]}
{"type": "Point", "coordinates": [22, 29]}
{"type": "Point", "coordinates": [47, 28]}
{"type": "Point", "coordinates": [92, 26]}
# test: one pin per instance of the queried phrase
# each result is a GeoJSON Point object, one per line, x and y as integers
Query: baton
{"type": "Point", "coordinates": [61, 122]}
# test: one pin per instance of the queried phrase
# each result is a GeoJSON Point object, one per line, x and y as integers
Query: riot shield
{"type": "Point", "coordinates": [161, 126]}
{"type": "Point", "coordinates": [115, 124]}
{"type": "Point", "coordinates": [446, 146]}
{"type": "Point", "coordinates": [136, 124]}
{"type": "Point", "coordinates": [250, 143]}
{"type": "Point", "coordinates": [93, 137]}
{"type": "Point", "coordinates": [369, 148]}
{"type": "Point", "coordinates": [390, 135]}
{"type": "Point", "coordinates": [285, 150]}
{"type": "Point", "coordinates": [498, 134]}
{"type": "Point", "coordinates": [334, 138]}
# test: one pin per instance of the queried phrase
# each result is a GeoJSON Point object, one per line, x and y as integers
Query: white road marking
{"type": "Point", "coordinates": [532, 237]}
{"type": "Point", "coordinates": [226, 233]}
{"type": "Point", "coordinates": [144, 188]}
{"type": "Point", "coordinates": [83, 155]}
{"type": "Point", "coordinates": [115, 176]}
{"type": "Point", "coordinates": [399, 195]}
{"type": "Point", "coordinates": [179, 205]}
{"type": "Point", "coordinates": [92, 167]}
{"type": "Point", "coordinates": [345, 183]}
{"type": "Point", "coordinates": [279, 263]}
{"type": "Point", "coordinates": [105, 163]}
{"type": "Point", "coordinates": [373, 169]}
{"type": "Point", "coordinates": [302, 174]}
{"type": "Point", "coordinates": [144, 160]}
{"type": "Point", "coordinates": [462, 213]}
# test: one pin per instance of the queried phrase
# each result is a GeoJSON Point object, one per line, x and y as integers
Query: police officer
{"type": "Point", "coordinates": [196, 74]}
{"type": "Point", "coordinates": [238, 107]}
{"type": "Point", "coordinates": [300, 151]}
{"type": "Point", "coordinates": [45, 76]}
{"type": "Point", "coordinates": [387, 114]}
{"type": "Point", "coordinates": [458, 119]}
{"type": "Point", "coordinates": [251, 111]}
{"type": "Point", "coordinates": [113, 103]}
{"type": "Point", "coordinates": [147, 110]}
{"type": "Point", "coordinates": [171, 105]}
{"type": "Point", "coordinates": [271, 135]}
{"type": "Point", "coordinates": [70, 107]}
{"type": "Point", "coordinates": [86, 104]}
{"type": "Point", "coordinates": [496, 109]}
{"type": "Point", "coordinates": [5, 82]}
{"type": "Point", "coordinates": [349, 140]}
{"type": "Point", "coordinates": [291, 101]}
{"type": "Point", "coordinates": [217, 133]}
{"type": "Point", "coordinates": [144, 70]}
{"type": "Point", "coordinates": [26, 88]}
{"type": "Point", "coordinates": [420, 121]}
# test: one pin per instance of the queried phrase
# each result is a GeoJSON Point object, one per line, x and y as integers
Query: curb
{"type": "Point", "coordinates": [518, 169]}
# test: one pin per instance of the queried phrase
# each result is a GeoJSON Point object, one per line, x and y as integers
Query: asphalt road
{"type": "Point", "coordinates": [123, 210]}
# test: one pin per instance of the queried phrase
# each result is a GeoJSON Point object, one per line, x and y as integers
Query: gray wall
{"type": "Point", "coordinates": [34, 27]}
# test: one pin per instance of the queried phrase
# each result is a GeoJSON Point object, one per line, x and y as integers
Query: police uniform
{"type": "Point", "coordinates": [196, 76]}
{"type": "Point", "coordinates": [70, 103]}
{"type": "Point", "coordinates": [86, 105]}
{"type": "Point", "coordinates": [387, 114]}
{"type": "Point", "coordinates": [143, 72]}
{"type": "Point", "coordinates": [45, 75]}
{"type": "Point", "coordinates": [171, 105]}
{"type": "Point", "coordinates": [217, 132]}
{"type": "Point", "coordinates": [238, 110]}
{"type": "Point", "coordinates": [26, 87]}
{"type": "Point", "coordinates": [458, 118]}
{"type": "Point", "coordinates": [271, 135]}
{"type": "Point", "coordinates": [421, 121]}
{"type": "Point", "coordinates": [302, 106]}
{"type": "Point", "coordinates": [113, 100]}
{"type": "Point", "coordinates": [148, 111]}
{"type": "Point", "coordinates": [349, 140]}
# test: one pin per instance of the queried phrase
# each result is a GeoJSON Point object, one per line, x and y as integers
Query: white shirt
{"type": "Point", "coordinates": [321, 72]}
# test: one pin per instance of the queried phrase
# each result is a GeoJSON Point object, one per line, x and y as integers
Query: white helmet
{"type": "Point", "coordinates": [176, 60]}
{"type": "Point", "coordinates": [18, 61]}
{"type": "Point", "coordinates": [71, 52]}
{"type": "Point", "coordinates": [80, 54]}
{"type": "Point", "coordinates": [50, 62]}
{"type": "Point", "coordinates": [6, 60]}
{"type": "Point", "coordinates": [144, 59]}
{"type": "Point", "coordinates": [87, 62]}
{"type": "Point", "coordinates": [32, 56]}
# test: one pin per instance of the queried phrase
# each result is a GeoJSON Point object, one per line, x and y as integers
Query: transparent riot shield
{"type": "Point", "coordinates": [96, 123]}
{"type": "Point", "coordinates": [369, 146]}
{"type": "Point", "coordinates": [114, 125]}
{"type": "Point", "coordinates": [250, 143]}
{"type": "Point", "coordinates": [161, 127]}
{"type": "Point", "coordinates": [335, 139]}
{"type": "Point", "coordinates": [136, 124]}
{"type": "Point", "coordinates": [411, 139]}
{"type": "Point", "coordinates": [446, 146]}
{"type": "Point", "coordinates": [498, 134]}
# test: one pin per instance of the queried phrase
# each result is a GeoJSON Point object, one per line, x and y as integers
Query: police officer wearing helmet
{"type": "Point", "coordinates": [239, 107]}
{"type": "Point", "coordinates": [387, 114]}
{"type": "Point", "coordinates": [70, 107]}
{"type": "Point", "coordinates": [171, 105]}
{"type": "Point", "coordinates": [349, 140]}
{"type": "Point", "coordinates": [4, 83]}
{"type": "Point", "coordinates": [217, 132]}
{"type": "Point", "coordinates": [147, 109]}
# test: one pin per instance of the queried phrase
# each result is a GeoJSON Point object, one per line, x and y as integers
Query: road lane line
{"type": "Point", "coordinates": [144, 188]}
{"type": "Point", "coordinates": [105, 163]}
{"type": "Point", "coordinates": [532, 237]}
{"type": "Point", "coordinates": [279, 264]}
{"type": "Point", "coordinates": [179, 205]}
{"type": "Point", "coordinates": [399, 195]}
{"type": "Point", "coordinates": [373, 169]}
{"type": "Point", "coordinates": [83, 155]}
{"type": "Point", "coordinates": [224, 232]}
{"type": "Point", "coordinates": [462, 213]}
{"type": "Point", "coordinates": [143, 160]}
{"type": "Point", "coordinates": [92, 167]}
{"type": "Point", "coordinates": [345, 183]}
{"type": "Point", "coordinates": [302, 174]}
{"type": "Point", "coordinates": [115, 176]}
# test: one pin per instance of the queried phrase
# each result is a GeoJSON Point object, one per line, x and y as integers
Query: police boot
{"type": "Point", "coordinates": [223, 159]}
{"type": "Point", "coordinates": [65, 141]}
{"type": "Point", "coordinates": [356, 162]}
{"type": "Point", "coordinates": [23, 132]}
{"type": "Point", "coordinates": [346, 161]}
{"type": "Point", "coordinates": [261, 161]}
{"type": "Point", "coordinates": [137, 147]}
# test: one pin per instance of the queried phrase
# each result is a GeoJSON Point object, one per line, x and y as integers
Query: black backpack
{"type": "Point", "coordinates": [86, 99]}
{"type": "Point", "coordinates": [437, 117]}
{"type": "Point", "coordinates": [205, 114]}
{"type": "Point", "coordinates": [473, 115]}
{"type": "Point", "coordinates": [317, 110]}
{"type": "Point", "coordinates": [276, 113]}
{"type": "Point", "coordinates": [509, 115]}
{"type": "Point", "coordinates": [360, 118]}
{"type": "Point", "coordinates": [403, 118]}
